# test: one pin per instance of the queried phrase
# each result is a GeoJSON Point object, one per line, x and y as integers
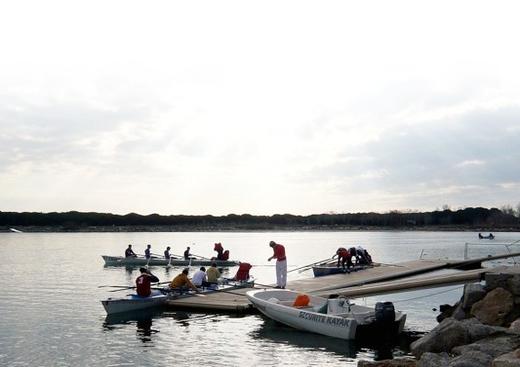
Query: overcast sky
{"type": "Point", "coordinates": [260, 107]}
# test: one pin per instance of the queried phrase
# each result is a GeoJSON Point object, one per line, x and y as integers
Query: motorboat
{"type": "Point", "coordinates": [335, 317]}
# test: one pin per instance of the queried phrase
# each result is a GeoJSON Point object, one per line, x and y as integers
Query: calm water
{"type": "Point", "coordinates": [51, 314]}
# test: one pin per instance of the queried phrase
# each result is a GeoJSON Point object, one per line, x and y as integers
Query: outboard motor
{"type": "Point", "coordinates": [385, 313]}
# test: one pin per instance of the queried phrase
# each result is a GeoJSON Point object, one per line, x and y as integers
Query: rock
{"type": "Point", "coordinates": [471, 359]}
{"type": "Point", "coordinates": [434, 360]}
{"type": "Point", "coordinates": [459, 313]}
{"type": "Point", "coordinates": [448, 334]}
{"type": "Point", "coordinates": [513, 284]}
{"type": "Point", "coordinates": [491, 346]}
{"type": "Point", "coordinates": [477, 330]}
{"type": "Point", "coordinates": [446, 311]}
{"type": "Point", "coordinates": [515, 326]}
{"type": "Point", "coordinates": [494, 307]}
{"type": "Point", "coordinates": [496, 280]}
{"type": "Point", "coordinates": [511, 359]}
{"type": "Point", "coordinates": [473, 293]}
{"type": "Point", "coordinates": [400, 362]}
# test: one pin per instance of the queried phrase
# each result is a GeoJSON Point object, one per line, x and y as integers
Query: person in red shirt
{"type": "Point", "coordinates": [143, 282]}
{"type": "Point", "coordinates": [281, 264]}
{"type": "Point", "coordinates": [344, 257]}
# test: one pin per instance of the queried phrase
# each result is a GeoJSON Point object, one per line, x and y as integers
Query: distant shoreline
{"type": "Point", "coordinates": [138, 228]}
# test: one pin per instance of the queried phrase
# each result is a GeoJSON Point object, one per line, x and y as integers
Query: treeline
{"type": "Point", "coordinates": [470, 217]}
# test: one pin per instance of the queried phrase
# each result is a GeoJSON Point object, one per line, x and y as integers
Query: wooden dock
{"type": "Point", "coordinates": [384, 278]}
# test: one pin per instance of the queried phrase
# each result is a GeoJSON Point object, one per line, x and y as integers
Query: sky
{"type": "Point", "coordinates": [266, 107]}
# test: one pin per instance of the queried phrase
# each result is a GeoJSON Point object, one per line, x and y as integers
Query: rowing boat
{"type": "Point", "coordinates": [141, 261]}
{"type": "Point", "coordinates": [133, 302]}
{"type": "Point", "coordinates": [335, 317]}
{"type": "Point", "coordinates": [329, 269]}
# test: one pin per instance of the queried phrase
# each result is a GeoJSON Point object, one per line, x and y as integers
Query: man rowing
{"type": "Point", "coordinates": [148, 252]}
{"type": "Point", "coordinates": [187, 253]}
{"type": "Point", "coordinates": [167, 253]}
{"type": "Point", "coordinates": [143, 282]}
{"type": "Point", "coordinates": [129, 252]}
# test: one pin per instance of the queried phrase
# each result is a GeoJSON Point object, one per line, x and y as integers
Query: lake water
{"type": "Point", "coordinates": [51, 314]}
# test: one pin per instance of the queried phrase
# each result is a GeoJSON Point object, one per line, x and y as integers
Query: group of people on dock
{"type": "Point", "coordinates": [347, 257]}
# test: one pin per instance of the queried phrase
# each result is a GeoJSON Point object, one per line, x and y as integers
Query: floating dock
{"type": "Point", "coordinates": [384, 278]}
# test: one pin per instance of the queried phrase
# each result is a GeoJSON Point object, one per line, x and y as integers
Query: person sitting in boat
{"type": "Point", "coordinates": [148, 252]}
{"type": "Point", "coordinates": [491, 236]}
{"type": "Point", "coordinates": [182, 282]}
{"type": "Point", "coordinates": [344, 257]}
{"type": "Point", "coordinates": [220, 250]}
{"type": "Point", "coordinates": [213, 274]}
{"type": "Point", "coordinates": [243, 272]}
{"type": "Point", "coordinates": [200, 278]}
{"type": "Point", "coordinates": [129, 252]}
{"type": "Point", "coordinates": [353, 254]}
{"type": "Point", "coordinates": [143, 282]}
{"type": "Point", "coordinates": [187, 253]}
{"type": "Point", "coordinates": [167, 253]}
{"type": "Point", "coordinates": [480, 236]}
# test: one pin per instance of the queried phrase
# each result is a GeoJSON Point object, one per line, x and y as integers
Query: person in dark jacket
{"type": "Point", "coordinates": [129, 252]}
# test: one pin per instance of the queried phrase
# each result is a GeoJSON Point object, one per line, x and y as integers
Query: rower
{"type": "Point", "coordinates": [182, 282]}
{"type": "Point", "coordinates": [213, 274]}
{"type": "Point", "coordinates": [187, 253]}
{"type": "Point", "coordinates": [167, 253]}
{"type": "Point", "coordinates": [147, 252]}
{"type": "Point", "coordinates": [129, 252]}
{"type": "Point", "coordinates": [344, 257]}
{"type": "Point", "coordinates": [143, 282]}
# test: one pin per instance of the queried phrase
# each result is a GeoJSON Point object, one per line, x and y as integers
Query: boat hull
{"type": "Point", "coordinates": [323, 270]}
{"type": "Point", "coordinates": [133, 303]}
{"type": "Point", "coordinates": [277, 305]}
{"type": "Point", "coordinates": [140, 261]}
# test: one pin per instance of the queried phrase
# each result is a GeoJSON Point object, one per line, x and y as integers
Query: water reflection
{"type": "Point", "coordinates": [377, 348]}
{"type": "Point", "coordinates": [142, 319]}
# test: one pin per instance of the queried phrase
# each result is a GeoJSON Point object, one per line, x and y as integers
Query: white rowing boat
{"type": "Point", "coordinates": [133, 302]}
{"type": "Point", "coordinates": [336, 317]}
{"type": "Point", "coordinates": [157, 261]}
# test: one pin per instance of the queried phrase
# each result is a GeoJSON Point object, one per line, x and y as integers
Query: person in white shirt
{"type": "Point", "coordinates": [199, 278]}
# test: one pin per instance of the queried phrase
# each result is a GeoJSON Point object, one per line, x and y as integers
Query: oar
{"type": "Point", "coordinates": [122, 289]}
{"type": "Point", "coordinates": [310, 265]}
{"type": "Point", "coordinates": [112, 286]}
{"type": "Point", "coordinates": [202, 257]}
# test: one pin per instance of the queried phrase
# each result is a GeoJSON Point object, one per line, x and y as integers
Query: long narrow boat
{"type": "Point", "coordinates": [133, 302]}
{"type": "Point", "coordinates": [332, 317]}
{"type": "Point", "coordinates": [141, 261]}
{"type": "Point", "coordinates": [329, 269]}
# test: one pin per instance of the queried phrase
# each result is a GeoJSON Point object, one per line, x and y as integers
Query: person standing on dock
{"type": "Point", "coordinates": [129, 252]}
{"type": "Point", "coordinates": [147, 252]}
{"type": "Point", "coordinates": [281, 264]}
{"type": "Point", "coordinates": [143, 282]}
{"type": "Point", "coordinates": [167, 253]}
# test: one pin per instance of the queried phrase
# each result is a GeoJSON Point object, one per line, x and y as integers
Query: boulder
{"type": "Point", "coordinates": [513, 284]}
{"type": "Point", "coordinates": [400, 362]}
{"type": "Point", "coordinates": [473, 293]}
{"type": "Point", "coordinates": [448, 334]}
{"type": "Point", "coordinates": [494, 307]}
{"type": "Point", "coordinates": [434, 360]}
{"type": "Point", "coordinates": [491, 346]}
{"type": "Point", "coordinates": [496, 280]}
{"type": "Point", "coordinates": [477, 330]}
{"type": "Point", "coordinates": [515, 326]}
{"type": "Point", "coordinates": [511, 359]}
{"type": "Point", "coordinates": [472, 359]}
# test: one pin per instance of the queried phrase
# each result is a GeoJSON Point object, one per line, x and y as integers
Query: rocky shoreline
{"type": "Point", "coordinates": [481, 330]}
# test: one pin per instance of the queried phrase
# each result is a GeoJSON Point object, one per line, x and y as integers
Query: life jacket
{"type": "Point", "coordinates": [218, 247]}
{"type": "Point", "coordinates": [143, 285]}
{"type": "Point", "coordinates": [243, 271]}
{"type": "Point", "coordinates": [225, 255]}
{"type": "Point", "coordinates": [302, 300]}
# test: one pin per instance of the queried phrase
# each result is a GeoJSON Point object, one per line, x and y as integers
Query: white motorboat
{"type": "Point", "coordinates": [335, 317]}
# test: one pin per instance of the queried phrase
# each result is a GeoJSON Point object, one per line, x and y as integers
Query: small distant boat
{"type": "Point", "coordinates": [488, 237]}
{"type": "Point", "coordinates": [141, 261]}
{"type": "Point", "coordinates": [329, 269]}
{"type": "Point", "coordinates": [335, 317]}
{"type": "Point", "coordinates": [133, 302]}
{"type": "Point", "coordinates": [15, 230]}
